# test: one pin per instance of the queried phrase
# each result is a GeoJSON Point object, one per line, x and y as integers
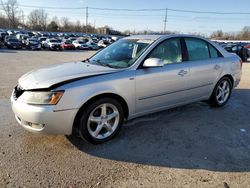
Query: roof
{"type": "Point", "coordinates": [145, 37]}
{"type": "Point", "coordinates": [155, 37]}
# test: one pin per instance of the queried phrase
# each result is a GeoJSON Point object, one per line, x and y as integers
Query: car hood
{"type": "Point", "coordinates": [55, 43]}
{"type": "Point", "coordinates": [15, 43]}
{"type": "Point", "coordinates": [33, 43]}
{"type": "Point", "coordinates": [46, 77]}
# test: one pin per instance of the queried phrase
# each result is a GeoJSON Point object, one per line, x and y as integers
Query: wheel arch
{"type": "Point", "coordinates": [100, 96]}
{"type": "Point", "coordinates": [230, 77]}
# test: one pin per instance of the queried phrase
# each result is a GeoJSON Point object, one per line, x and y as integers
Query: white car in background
{"type": "Point", "coordinates": [80, 45]}
{"type": "Point", "coordinates": [52, 44]}
{"type": "Point", "coordinates": [103, 43]}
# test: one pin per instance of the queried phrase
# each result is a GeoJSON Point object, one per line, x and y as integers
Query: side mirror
{"type": "Point", "coordinates": [153, 62]}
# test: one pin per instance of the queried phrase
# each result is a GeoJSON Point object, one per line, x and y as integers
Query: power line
{"type": "Point", "coordinates": [119, 9]}
{"type": "Point", "coordinates": [136, 10]}
{"type": "Point", "coordinates": [45, 7]}
{"type": "Point", "coordinates": [208, 12]}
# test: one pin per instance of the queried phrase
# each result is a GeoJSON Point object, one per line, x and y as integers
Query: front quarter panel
{"type": "Point", "coordinates": [79, 92]}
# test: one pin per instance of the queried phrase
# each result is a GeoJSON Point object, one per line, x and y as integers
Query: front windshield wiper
{"type": "Point", "coordinates": [86, 60]}
{"type": "Point", "coordinates": [102, 64]}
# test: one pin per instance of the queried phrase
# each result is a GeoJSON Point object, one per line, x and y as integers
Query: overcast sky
{"type": "Point", "coordinates": [152, 20]}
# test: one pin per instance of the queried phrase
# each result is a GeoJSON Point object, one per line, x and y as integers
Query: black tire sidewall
{"type": "Point", "coordinates": [83, 130]}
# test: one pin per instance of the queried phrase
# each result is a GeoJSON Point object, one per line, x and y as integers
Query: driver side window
{"type": "Point", "coordinates": [168, 51]}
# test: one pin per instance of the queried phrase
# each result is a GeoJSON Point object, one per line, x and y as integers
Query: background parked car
{"type": "Point", "coordinates": [103, 43]}
{"type": "Point", "coordinates": [239, 50]}
{"type": "Point", "coordinates": [52, 44]}
{"type": "Point", "coordinates": [13, 43]}
{"type": "Point", "coordinates": [93, 46]}
{"type": "Point", "coordinates": [67, 45]}
{"type": "Point", "coordinates": [33, 44]}
{"type": "Point", "coordinates": [80, 45]}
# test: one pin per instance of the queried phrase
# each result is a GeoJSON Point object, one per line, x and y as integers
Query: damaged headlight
{"type": "Point", "coordinates": [41, 97]}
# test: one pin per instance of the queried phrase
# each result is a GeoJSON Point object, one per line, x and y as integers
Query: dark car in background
{"type": "Point", "coordinates": [13, 43]}
{"type": "Point", "coordinates": [240, 50]}
{"type": "Point", "coordinates": [33, 44]}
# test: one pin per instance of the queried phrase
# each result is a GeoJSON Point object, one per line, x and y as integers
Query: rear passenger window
{"type": "Point", "coordinates": [197, 49]}
{"type": "Point", "coordinates": [213, 52]}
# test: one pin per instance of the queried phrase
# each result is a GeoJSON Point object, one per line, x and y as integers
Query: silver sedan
{"type": "Point", "coordinates": [132, 77]}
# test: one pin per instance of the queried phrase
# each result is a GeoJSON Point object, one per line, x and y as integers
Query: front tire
{"type": "Point", "coordinates": [101, 121]}
{"type": "Point", "coordinates": [221, 93]}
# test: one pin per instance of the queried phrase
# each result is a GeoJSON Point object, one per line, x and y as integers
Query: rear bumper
{"type": "Point", "coordinates": [237, 78]}
{"type": "Point", "coordinates": [43, 118]}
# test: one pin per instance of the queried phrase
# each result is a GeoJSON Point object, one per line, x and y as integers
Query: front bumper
{"type": "Point", "coordinates": [55, 47]}
{"type": "Point", "coordinates": [69, 47]}
{"type": "Point", "coordinates": [43, 118]}
{"type": "Point", "coordinates": [84, 47]}
{"type": "Point", "coordinates": [15, 46]}
{"type": "Point", "coordinates": [35, 47]}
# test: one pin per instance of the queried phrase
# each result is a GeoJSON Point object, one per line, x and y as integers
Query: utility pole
{"type": "Point", "coordinates": [165, 20]}
{"type": "Point", "coordinates": [87, 16]}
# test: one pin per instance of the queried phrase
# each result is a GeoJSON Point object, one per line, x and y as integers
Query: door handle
{"type": "Point", "coordinates": [217, 67]}
{"type": "Point", "coordinates": [182, 72]}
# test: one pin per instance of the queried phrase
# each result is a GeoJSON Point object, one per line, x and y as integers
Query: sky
{"type": "Point", "coordinates": [151, 20]}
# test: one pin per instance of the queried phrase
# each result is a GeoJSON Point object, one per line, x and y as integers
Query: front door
{"type": "Point", "coordinates": [162, 86]}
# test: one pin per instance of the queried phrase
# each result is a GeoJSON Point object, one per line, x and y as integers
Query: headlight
{"type": "Point", "coordinates": [45, 98]}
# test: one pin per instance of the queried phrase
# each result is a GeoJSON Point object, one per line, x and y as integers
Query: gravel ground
{"type": "Point", "coordinates": [189, 146]}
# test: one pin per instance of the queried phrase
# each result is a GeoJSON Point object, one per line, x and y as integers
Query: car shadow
{"type": "Point", "coordinates": [3, 50]}
{"type": "Point", "coordinates": [194, 136]}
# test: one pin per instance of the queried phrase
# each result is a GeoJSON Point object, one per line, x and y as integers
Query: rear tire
{"type": "Point", "coordinates": [101, 121]}
{"type": "Point", "coordinates": [221, 93]}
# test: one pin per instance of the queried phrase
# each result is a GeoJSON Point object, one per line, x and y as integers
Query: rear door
{"type": "Point", "coordinates": [205, 64]}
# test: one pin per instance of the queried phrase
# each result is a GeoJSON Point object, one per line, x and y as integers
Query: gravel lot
{"type": "Point", "coordinates": [189, 146]}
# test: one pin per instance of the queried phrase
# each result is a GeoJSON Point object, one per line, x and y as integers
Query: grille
{"type": "Point", "coordinates": [18, 91]}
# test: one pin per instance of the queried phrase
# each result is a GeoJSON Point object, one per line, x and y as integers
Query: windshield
{"type": "Point", "coordinates": [53, 41]}
{"type": "Point", "coordinates": [81, 42]}
{"type": "Point", "coordinates": [121, 54]}
{"type": "Point", "coordinates": [13, 40]}
{"type": "Point", "coordinates": [67, 42]}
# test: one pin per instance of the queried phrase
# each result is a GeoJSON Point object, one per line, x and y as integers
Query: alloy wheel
{"type": "Point", "coordinates": [103, 121]}
{"type": "Point", "coordinates": [223, 92]}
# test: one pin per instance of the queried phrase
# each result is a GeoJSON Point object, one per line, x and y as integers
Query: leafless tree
{"type": "Point", "coordinates": [78, 26]}
{"type": "Point", "coordinates": [12, 12]}
{"type": "Point", "coordinates": [37, 19]}
{"type": "Point", "coordinates": [66, 24]}
{"type": "Point", "coordinates": [3, 21]}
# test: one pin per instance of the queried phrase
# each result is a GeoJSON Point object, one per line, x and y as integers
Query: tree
{"type": "Point", "coordinates": [217, 34]}
{"type": "Point", "coordinates": [52, 26]}
{"type": "Point", "coordinates": [78, 27]}
{"type": "Point", "coordinates": [66, 24]}
{"type": "Point", "coordinates": [38, 19]}
{"type": "Point", "coordinates": [245, 33]}
{"type": "Point", "coordinates": [12, 12]}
